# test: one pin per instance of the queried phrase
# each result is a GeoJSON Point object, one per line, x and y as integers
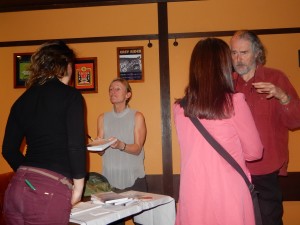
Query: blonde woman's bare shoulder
{"type": "Point", "coordinates": [101, 115]}
{"type": "Point", "coordinates": [139, 115]}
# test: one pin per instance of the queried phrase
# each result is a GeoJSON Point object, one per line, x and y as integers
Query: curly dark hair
{"type": "Point", "coordinates": [49, 61]}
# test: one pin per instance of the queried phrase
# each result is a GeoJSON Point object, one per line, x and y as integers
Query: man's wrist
{"type": "Point", "coordinates": [285, 100]}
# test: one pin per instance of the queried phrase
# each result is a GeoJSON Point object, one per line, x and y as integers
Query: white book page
{"type": "Point", "coordinates": [83, 207]}
{"type": "Point", "coordinates": [100, 145]}
{"type": "Point", "coordinates": [108, 197]}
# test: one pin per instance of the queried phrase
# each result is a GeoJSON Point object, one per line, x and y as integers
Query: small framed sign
{"type": "Point", "coordinates": [21, 72]}
{"type": "Point", "coordinates": [85, 74]}
{"type": "Point", "coordinates": [299, 57]}
{"type": "Point", "coordinates": [131, 63]}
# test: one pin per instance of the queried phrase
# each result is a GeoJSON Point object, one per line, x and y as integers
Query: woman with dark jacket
{"type": "Point", "coordinates": [49, 177]}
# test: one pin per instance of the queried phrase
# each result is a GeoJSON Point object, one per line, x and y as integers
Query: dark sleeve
{"type": "Point", "coordinates": [76, 137]}
{"type": "Point", "coordinates": [12, 141]}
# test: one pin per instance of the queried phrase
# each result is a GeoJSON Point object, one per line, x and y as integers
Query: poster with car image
{"type": "Point", "coordinates": [131, 63]}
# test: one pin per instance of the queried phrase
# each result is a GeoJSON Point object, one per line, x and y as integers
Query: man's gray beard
{"type": "Point", "coordinates": [244, 70]}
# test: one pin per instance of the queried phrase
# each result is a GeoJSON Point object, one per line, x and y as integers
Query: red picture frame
{"type": "Point", "coordinates": [85, 74]}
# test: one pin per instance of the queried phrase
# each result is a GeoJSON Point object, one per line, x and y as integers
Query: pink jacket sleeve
{"type": "Point", "coordinates": [247, 131]}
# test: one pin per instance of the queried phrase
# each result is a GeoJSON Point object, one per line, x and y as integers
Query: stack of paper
{"type": "Point", "coordinates": [109, 198]}
{"type": "Point", "coordinates": [101, 144]}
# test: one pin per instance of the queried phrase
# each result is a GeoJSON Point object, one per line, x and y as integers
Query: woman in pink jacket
{"type": "Point", "coordinates": [211, 191]}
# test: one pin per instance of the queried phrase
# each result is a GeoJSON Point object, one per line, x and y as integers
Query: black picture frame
{"type": "Point", "coordinates": [131, 63]}
{"type": "Point", "coordinates": [21, 64]}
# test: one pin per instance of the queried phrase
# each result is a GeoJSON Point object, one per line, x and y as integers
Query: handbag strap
{"type": "Point", "coordinates": [219, 148]}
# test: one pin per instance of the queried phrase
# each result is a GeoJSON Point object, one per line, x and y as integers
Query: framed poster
{"type": "Point", "coordinates": [85, 74]}
{"type": "Point", "coordinates": [299, 57]}
{"type": "Point", "coordinates": [131, 63]}
{"type": "Point", "coordinates": [21, 65]}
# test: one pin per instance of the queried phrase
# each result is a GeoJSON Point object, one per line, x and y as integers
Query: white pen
{"type": "Point", "coordinates": [131, 202]}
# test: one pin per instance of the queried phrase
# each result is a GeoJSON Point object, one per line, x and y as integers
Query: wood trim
{"type": "Point", "coordinates": [151, 37]}
{"type": "Point", "coordinates": [290, 185]}
{"type": "Point", "coordinates": [165, 99]}
{"type": "Point", "coordinates": [231, 32]}
{"type": "Point", "coordinates": [21, 5]}
{"type": "Point", "coordinates": [82, 40]}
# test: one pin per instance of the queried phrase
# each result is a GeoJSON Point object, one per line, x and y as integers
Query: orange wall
{"type": "Point", "coordinates": [196, 16]}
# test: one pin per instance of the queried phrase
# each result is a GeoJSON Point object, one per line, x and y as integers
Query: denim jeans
{"type": "Point", "coordinates": [48, 204]}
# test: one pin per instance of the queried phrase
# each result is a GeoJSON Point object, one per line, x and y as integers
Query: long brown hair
{"type": "Point", "coordinates": [49, 61]}
{"type": "Point", "coordinates": [209, 92]}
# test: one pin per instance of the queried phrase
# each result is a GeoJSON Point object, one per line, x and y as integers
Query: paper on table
{"type": "Point", "coordinates": [124, 202]}
{"type": "Point", "coordinates": [108, 197]}
{"type": "Point", "coordinates": [83, 207]}
{"type": "Point", "coordinates": [100, 145]}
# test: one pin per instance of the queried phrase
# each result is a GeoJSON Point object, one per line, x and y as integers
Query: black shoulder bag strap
{"type": "Point", "coordinates": [219, 148]}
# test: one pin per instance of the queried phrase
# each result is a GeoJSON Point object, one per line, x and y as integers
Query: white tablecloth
{"type": "Point", "coordinates": [150, 209]}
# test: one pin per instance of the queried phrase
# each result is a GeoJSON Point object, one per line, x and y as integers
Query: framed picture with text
{"type": "Point", "coordinates": [85, 74]}
{"type": "Point", "coordinates": [21, 65]}
{"type": "Point", "coordinates": [131, 63]}
{"type": "Point", "coordinates": [299, 57]}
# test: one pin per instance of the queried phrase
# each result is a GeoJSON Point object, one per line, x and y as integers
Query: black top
{"type": "Point", "coordinates": [51, 118]}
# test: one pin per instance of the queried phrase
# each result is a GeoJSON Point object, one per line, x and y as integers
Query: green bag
{"type": "Point", "coordinates": [96, 182]}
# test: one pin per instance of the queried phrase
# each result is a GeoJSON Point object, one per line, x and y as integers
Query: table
{"type": "Point", "coordinates": [150, 209]}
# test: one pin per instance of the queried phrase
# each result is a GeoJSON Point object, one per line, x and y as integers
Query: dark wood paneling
{"type": "Point", "coordinates": [290, 185]}
{"type": "Point", "coordinates": [231, 32]}
{"type": "Point", "coordinates": [22, 5]}
{"type": "Point", "coordinates": [82, 40]}
{"type": "Point", "coordinates": [150, 37]}
{"type": "Point", "coordinates": [165, 98]}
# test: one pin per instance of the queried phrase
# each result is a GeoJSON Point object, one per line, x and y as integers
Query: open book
{"type": "Point", "coordinates": [101, 144]}
{"type": "Point", "coordinates": [109, 198]}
